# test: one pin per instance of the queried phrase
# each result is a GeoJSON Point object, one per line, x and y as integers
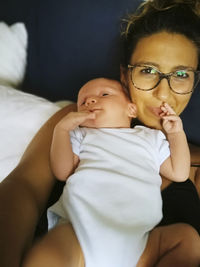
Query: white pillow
{"type": "Point", "coordinates": [21, 116]}
{"type": "Point", "coordinates": [13, 50]}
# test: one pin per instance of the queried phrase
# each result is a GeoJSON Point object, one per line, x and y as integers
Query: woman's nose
{"type": "Point", "coordinates": [90, 100]}
{"type": "Point", "coordinates": [163, 91]}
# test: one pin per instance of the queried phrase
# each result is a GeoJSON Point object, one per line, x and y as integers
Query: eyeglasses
{"type": "Point", "coordinates": [146, 78]}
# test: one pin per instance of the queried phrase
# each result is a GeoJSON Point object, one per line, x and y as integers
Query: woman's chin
{"type": "Point", "coordinates": [154, 124]}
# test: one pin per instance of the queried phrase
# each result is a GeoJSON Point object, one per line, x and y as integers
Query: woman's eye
{"type": "Point", "coordinates": [149, 71]}
{"type": "Point", "coordinates": [105, 94]}
{"type": "Point", "coordinates": [181, 74]}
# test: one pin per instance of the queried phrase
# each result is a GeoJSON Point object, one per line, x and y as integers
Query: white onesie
{"type": "Point", "coordinates": [113, 199]}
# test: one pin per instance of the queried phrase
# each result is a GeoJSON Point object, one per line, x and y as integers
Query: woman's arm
{"type": "Point", "coordinates": [195, 166]}
{"type": "Point", "coordinates": [195, 154]}
{"type": "Point", "coordinates": [24, 194]}
{"type": "Point", "coordinates": [194, 171]}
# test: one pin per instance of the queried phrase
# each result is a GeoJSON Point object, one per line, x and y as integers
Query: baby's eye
{"type": "Point", "coordinates": [105, 94]}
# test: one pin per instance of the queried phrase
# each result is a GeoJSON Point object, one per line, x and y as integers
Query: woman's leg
{"type": "Point", "coordinates": [176, 245]}
{"type": "Point", "coordinates": [181, 204]}
{"type": "Point", "coordinates": [59, 248]}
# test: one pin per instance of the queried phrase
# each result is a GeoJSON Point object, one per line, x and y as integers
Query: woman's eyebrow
{"type": "Point", "coordinates": [148, 63]}
{"type": "Point", "coordinates": [153, 64]}
{"type": "Point", "coordinates": [183, 67]}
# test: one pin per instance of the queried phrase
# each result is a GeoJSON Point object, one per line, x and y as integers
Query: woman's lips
{"type": "Point", "coordinates": [155, 110]}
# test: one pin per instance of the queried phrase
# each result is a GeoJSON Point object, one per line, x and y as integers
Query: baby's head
{"type": "Point", "coordinates": [110, 103]}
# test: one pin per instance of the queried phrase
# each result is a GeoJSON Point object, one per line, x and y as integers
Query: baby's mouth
{"type": "Point", "coordinates": [94, 109]}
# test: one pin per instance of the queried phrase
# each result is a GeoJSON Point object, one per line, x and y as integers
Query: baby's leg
{"type": "Point", "coordinates": [59, 248]}
{"type": "Point", "coordinates": [176, 245]}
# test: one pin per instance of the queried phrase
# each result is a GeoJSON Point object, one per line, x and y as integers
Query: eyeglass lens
{"type": "Point", "coordinates": [146, 78]}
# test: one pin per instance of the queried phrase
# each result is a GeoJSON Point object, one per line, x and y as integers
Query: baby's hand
{"type": "Point", "coordinates": [171, 123]}
{"type": "Point", "coordinates": [74, 119]}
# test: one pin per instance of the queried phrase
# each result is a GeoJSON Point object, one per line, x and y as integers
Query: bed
{"type": "Point", "coordinates": [56, 48]}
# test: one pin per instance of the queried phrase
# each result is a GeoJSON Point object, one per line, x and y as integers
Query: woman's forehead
{"type": "Point", "coordinates": [167, 50]}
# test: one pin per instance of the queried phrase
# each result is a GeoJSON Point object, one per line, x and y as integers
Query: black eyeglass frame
{"type": "Point", "coordinates": [166, 76]}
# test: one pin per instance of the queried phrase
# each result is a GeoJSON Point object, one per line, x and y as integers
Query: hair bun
{"type": "Point", "coordinates": [194, 5]}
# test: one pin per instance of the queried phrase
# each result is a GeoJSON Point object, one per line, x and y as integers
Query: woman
{"type": "Point", "coordinates": [31, 182]}
{"type": "Point", "coordinates": [151, 18]}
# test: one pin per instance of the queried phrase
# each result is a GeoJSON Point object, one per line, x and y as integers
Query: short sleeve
{"type": "Point", "coordinates": [76, 137]}
{"type": "Point", "coordinates": [162, 146]}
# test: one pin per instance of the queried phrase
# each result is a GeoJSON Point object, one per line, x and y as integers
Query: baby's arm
{"type": "Point", "coordinates": [63, 160]}
{"type": "Point", "coordinates": [177, 166]}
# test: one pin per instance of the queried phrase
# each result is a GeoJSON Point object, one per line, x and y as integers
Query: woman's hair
{"type": "Point", "coordinates": [154, 16]}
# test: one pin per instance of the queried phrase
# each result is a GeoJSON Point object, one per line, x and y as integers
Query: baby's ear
{"type": "Point", "coordinates": [132, 110]}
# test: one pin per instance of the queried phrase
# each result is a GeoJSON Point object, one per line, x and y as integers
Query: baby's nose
{"type": "Point", "coordinates": [90, 100]}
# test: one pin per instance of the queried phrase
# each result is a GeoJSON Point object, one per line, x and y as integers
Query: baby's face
{"type": "Point", "coordinates": [108, 101]}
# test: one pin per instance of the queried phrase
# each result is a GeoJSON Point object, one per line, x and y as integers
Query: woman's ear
{"type": "Point", "coordinates": [132, 110]}
{"type": "Point", "coordinates": [123, 76]}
